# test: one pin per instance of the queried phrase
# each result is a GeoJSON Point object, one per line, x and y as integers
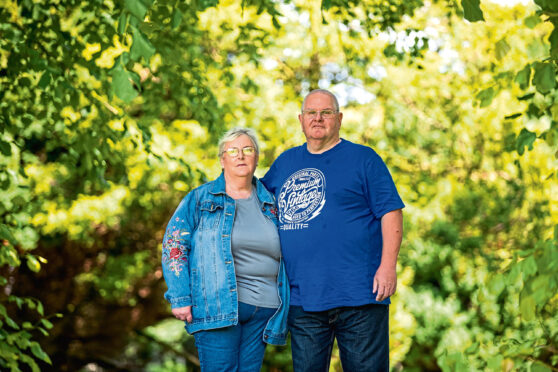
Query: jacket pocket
{"type": "Point", "coordinates": [210, 215]}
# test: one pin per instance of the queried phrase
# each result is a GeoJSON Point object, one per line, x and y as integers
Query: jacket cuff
{"type": "Point", "coordinates": [180, 302]}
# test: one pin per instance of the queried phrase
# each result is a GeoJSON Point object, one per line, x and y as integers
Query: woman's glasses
{"type": "Point", "coordinates": [235, 151]}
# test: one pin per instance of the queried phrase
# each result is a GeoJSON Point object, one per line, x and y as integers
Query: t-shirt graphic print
{"type": "Point", "coordinates": [301, 198]}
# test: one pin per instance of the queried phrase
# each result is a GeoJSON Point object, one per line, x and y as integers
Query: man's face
{"type": "Point", "coordinates": [319, 127]}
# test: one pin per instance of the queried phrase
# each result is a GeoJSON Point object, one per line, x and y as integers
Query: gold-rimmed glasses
{"type": "Point", "coordinates": [235, 151]}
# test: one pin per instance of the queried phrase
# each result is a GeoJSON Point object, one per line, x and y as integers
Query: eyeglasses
{"type": "Point", "coordinates": [235, 151]}
{"type": "Point", "coordinates": [328, 114]}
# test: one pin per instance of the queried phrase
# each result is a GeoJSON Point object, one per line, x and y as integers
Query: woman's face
{"type": "Point", "coordinates": [243, 164]}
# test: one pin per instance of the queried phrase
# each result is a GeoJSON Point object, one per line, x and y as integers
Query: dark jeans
{"type": "Point", "coordinates": [236, 348]}
{"type": "Point", "coordinates": [362, 337]}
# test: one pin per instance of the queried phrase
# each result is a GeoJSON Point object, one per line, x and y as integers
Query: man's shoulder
{"type": "Point", "coordinates": [361, 152]}
{"type": "Point", "coordinates": [365, 149]}
{"type": "Point", "coordinates": [288, 154]}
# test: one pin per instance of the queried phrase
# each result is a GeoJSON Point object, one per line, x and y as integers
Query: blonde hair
{"type": "Point", "coordinates": [233, 134]}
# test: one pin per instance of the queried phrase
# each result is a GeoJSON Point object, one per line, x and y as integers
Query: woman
{"type": "Point", "coordinates": [222, 263]}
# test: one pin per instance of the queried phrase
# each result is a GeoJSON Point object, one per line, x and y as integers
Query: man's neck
{"type": "Point", "coordinates": [318, 147]}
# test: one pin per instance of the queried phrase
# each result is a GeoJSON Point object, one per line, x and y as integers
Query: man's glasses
{"type": "Point", "coordinates": [235, 151]}
{"type": "Point", "coordinates": [327, 114]}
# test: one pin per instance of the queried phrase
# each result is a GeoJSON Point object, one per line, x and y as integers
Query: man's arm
{"type": "Point", "coordinates": [385, 280]}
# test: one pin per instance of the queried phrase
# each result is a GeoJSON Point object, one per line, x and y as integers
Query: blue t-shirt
{"type": "Point", "coordinates": [330, 210]}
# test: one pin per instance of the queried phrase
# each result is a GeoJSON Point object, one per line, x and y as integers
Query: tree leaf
{"type": "Point", "coordinates": [523, 77]}
{"type": "Point", "coordinates": [45, 80]}
{"type": "Point", "coordinates": [141, 47]}
{"type": "Point", "coordinates": [176, 18]}
{"type": "Point", "coordinates": [486, 96]}
{"type": "Point", "coordinates": [513, 116]}
{"type": "Point", "coordinates": [136, 7]}
{"type": "Point", "coordinates": [472, 11]}
{"type": "Point", "coordinates": [39, 353]}
{"type": "Point", "coordinates": [502, 48]}
{"type": "Point", "coordinates": [122, 86]}
{"type": "Point", "coordinates": [5, 148]}
{"type": "Point", "coordinates": [122, 23]}
{"type": "Point", "coordinates": [32, 263]}
{"type": "Point", "coordinates": [47, 324]}
{"type": "Point", "coordinates": [527, 307]}
{"type": "Point", "coordinates": [30, 362]}
{"type": "Point", "coordinates": [532, 21]}
{"type": "Point", "coordinates": [525, 139]}
{"type": "Point", "coordinates": [545, 77]}
{"type": "Point", "coordinates": [11, 323]}
{"type": "Point", "coordinates": [529, 266]}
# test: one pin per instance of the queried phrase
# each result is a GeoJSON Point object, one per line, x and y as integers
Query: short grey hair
{"type": "Point", "coordinates": [233, 134]}
{"type": "Point", "coordinates": [323, 91]}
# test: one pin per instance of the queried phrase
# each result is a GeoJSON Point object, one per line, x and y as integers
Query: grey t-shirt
{"type": "Point", "coordinates": [256, 251]}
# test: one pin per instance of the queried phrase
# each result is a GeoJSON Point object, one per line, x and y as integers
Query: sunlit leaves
{"type": "Point", "coordinates": [472, 11]}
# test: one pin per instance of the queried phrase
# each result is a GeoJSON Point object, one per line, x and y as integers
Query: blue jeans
{"type": "Point", "coordinates": [236, 348]}
{"type": "Point", "coordinates": [362, 337]}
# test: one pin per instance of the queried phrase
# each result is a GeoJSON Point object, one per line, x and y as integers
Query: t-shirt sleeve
{"type": "Point", "coordinates": [380, 189]}
{"type": "Point", "coordinates": [271, 174]}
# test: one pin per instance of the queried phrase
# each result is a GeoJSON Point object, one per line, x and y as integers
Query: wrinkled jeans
{"type": "Point", "coordinates": [362, 337]}
{"type": "Point", "coordinates": [239, 348]}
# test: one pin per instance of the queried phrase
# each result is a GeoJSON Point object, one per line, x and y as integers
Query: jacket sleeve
{"type": "Point", "coordinates": [176, 250]}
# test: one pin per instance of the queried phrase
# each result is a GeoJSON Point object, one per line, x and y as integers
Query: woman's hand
{"type": "Point", "coordinates": [183, 313]}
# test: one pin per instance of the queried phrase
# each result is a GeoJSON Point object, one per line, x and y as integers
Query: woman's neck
{"type": "Point", "coordinates": [238, 187]}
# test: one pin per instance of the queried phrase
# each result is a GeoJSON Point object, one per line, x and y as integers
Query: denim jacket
{"type": "Point", "coordinates": [198, 264]}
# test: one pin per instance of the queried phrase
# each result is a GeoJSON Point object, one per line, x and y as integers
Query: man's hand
{"type": "Point", "coordinates": [183, 313]}
{"type": "Point", "coordinates": [385, 279]}
{"type": "Point", "coordinates": [385, 282]}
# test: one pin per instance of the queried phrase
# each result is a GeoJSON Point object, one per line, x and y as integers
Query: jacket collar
{"type": "Point", "coordinates": [264, 196]}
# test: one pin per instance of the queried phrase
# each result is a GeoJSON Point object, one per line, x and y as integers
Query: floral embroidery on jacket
{"type": "Point", "coordinates": [174, 254]}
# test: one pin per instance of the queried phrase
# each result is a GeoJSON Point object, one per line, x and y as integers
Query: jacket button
{"type": "Point", "coordinates": [265, 336]}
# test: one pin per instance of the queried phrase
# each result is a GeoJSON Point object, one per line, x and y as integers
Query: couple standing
{"type": "Point", "coordinates": [331, 223]}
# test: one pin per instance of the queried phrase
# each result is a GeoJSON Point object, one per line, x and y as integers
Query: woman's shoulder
{"type": "Point", "coordinates": [202, 191]}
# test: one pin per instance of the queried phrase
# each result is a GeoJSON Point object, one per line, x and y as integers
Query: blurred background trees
{"type": "Point", "coordinates": [110, 113]}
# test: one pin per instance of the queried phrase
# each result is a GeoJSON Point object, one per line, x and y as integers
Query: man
{"type": "Point", "coordinates": [340, 229]}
